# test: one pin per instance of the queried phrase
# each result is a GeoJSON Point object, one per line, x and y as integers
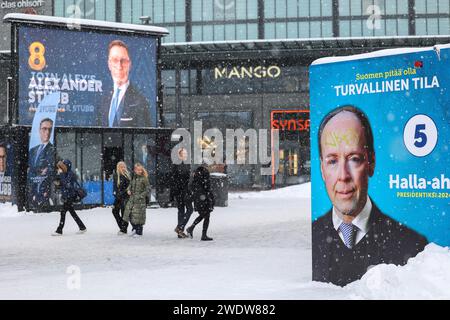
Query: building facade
{"type": "Point", "coordinates": [244, 64]}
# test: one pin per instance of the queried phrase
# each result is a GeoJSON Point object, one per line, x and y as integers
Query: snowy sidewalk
{"type": "Point", "coordinates": [261, 250]}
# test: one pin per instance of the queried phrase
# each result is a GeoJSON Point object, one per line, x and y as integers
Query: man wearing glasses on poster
{"type": "Point", "coordinates": [125, 106]}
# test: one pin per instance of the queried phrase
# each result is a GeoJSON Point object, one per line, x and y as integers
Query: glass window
{"type": "Point", "coordinates": [158, 13]}
{"type": "Point", "coordinates": [209, 9]}
{"type": "Point", "coordinates": [180, 12]}
{"type": "Point", "coordinates": [208, 33]}
{"type": "Point", "coordinates": [292, 28]}
{"type": "Point", "coordinates": [269, 9]}
{"type": "Point", "coordinates": [315, 29]}
{"type": "Point", "coordinates": [230, 30]}
{"type": "Point", "coordinates": [420, 7]}
{"type": "Point", "coordinates": [126, 12]}
{"type": "Point", "coordinates": [292, 8]}
{"type": "Point", "coordinates": [432, 6]}
{"type": "Point", "coordinates": [91, 158]}
{"type": "Point", "coordinates": [280, 30]}
{"type": "Point", "coordinates": [444, 6]}
{"type": "Point", "coordinates": [344, 28]}
{"type": "Point", "coordinates": [180, 34]}
{"type": "Point", "coordinates": [444, 26]}
{"type": "Point", "coordinates": [315, 10]}
{"type": "Point", "coordinates": [59, 8]}
{"type": "Point", "coordinates": [137, 11]}
{"type": "Point", "coordinates": [241, 10]}
{"type": "Point", "coordinates": [219, 32]}
{"type": "Point", "coordinates": [280, 9]}
{"type": "Point", "coordinates": [355, 8]}
{"type": "Point", "coordinates": [169, 11]}
{"type": "Point", "coordinates": [241, 31]}
{"type": "Point", "coordinates": [252, 31]}
{"type": "Point", "coordinates": [303, 30]}
{"type": "Point", "coordinates": [269, 30]}
{"type": "Point", "coordinates": [327, 29]}
{"type": "Point", "coordinates": [327, 8]}
{"type": "Point", "coordinates": [303, 8]}
{"type": "Point", "coordinates": [355, 26]}
{"type": "Point", "coordinates": [403, 27]}
{"type": "Point", "coordinates": [252, 9]}
{"type": "Point", "coordinates": [344, 7]}
{"type": "Point", "coordinates": [421, 27]}
{"type": "Point", "coordinates": [197, 33]}
{"type": "Point", "coordinates": [432, 28]}
{"type": "Point", "coordinates": [111, 12]}
{"type": "Point", "coordinates": [196, 10]}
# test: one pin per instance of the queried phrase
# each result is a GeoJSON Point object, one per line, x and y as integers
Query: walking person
{"type": "Point", "coordinates": [121, 181]}
{"type": "Point", "coordinates": [68, 181]}
{"type": "Point", "coordinates": [136, 204]}
{"type": "Point", "coordinates": [180, 175]}
{"type": "Point", "coordinates": [203, 201]}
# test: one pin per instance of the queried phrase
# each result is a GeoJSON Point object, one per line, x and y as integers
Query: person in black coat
{"type": "Point", "coordinates": [68, 183]}
{"type": "Point", "coordinates": [203, 201]}
{"type": "Point", "coordinates": [354, 235]}
{"type": "Point", "coordinates": [121, 181]}
{"type": "Point", "coordinates": [180, 176]}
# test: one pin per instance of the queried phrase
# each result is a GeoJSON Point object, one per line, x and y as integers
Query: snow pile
{"type": "Point", "coordinates": [8, 211]}
{"type": "Point", "coordinates": [425, 276]}
{"type": "Point", "coordinates": [296, 191]}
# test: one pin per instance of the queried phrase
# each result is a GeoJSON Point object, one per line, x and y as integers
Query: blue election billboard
{"type": "Point", "coordinates": [380, 171]}
{"type": "Point", "coordinates": [104, 79]}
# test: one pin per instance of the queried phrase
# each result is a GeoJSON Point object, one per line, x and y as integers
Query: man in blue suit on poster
{"type": "Point", "coordinates": [125, 106]}
{"type": "Point", "coordinates": [41, 163]}
{"type": "Point", "coordinates": [354, 235]}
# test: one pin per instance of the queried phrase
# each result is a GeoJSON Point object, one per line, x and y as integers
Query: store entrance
{"type": "Point", "coordinates": [111, 156]}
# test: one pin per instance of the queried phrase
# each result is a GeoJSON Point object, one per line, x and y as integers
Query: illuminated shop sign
{"type": "Point", "coordinates": [247, 72]}
{"type": "Point", "coordinates": [290, 120]}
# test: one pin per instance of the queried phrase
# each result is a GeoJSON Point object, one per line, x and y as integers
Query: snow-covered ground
{"type": "Point", "coordinates": [261, 250]}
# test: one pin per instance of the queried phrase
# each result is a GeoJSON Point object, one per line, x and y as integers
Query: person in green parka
{"type": "Point", "coordinates": [136, 205]}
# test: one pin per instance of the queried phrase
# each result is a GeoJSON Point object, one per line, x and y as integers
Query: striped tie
{"type": "Point", "coordinates": [348, 231]}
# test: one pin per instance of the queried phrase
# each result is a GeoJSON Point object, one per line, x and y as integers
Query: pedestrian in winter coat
{"type": "Point", "coordinates": [136, 204]}
{"type": "Point", "coordinates": [203, 201]}
{"type": "Point", "coordinates": [121, 181]}
{"type": "Point", "coordinates": [180, 175]}
{"type": "Point", "coordinates": [68, 184]}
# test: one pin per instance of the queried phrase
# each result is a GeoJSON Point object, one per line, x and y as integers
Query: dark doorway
{"type": "Point", "coordinates": [111, 155]}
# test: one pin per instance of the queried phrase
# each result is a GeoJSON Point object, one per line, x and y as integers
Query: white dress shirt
{"type": "Point", "coordinates": [361, 221]}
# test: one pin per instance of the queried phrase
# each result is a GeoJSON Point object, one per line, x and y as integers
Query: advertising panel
{"type": "Point", "coordinates": [6, 170]}
{"type": "Point", "coordinates": [41, 154]}
{"type": "Point", "coordinates": [104, 80]}
{"type": "Point", "coordinates": [379, 158]}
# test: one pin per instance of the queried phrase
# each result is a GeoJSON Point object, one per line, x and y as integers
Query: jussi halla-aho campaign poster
{"type": "Point", "coordinates": [379, 159]}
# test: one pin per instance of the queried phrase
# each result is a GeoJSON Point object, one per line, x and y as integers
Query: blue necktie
{"type": "Point", "coordinates": [348, 231]}
{"type": "Point", "coordinates": [112, 114]}
{"type": "Point", "coordinates": [41, 147]}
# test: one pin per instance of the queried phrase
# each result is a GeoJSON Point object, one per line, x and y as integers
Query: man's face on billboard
{"type": "Point", "coordinates": [2, 159]}
{"type": "Point", "coordinates": [119, 64]}
{"type": "Point", "coordinates": [345, 165]}
{"type": "Point", "coordinates": [45, 131]}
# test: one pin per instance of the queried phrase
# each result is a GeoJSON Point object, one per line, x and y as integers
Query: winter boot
{"type": "Point", "coordinates": [205, 237]}
{"type": "Point", "coordinates": [180, 233]}
{"type": "Point", "coordinates": [190, 231]}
